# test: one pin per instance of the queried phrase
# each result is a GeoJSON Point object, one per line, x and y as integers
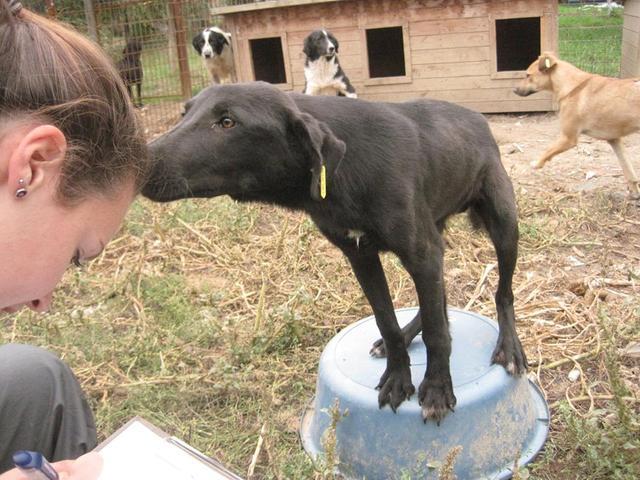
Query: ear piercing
{"type": "Point", "coordinates": [21, 192]}
{"type": "Point", "coordinates": [15, 7]}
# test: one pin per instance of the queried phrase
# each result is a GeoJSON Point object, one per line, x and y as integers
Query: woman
{"type": "Point", "coordinates": [71, 161]}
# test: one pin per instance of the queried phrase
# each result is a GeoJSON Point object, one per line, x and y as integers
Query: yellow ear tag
{"type": "Point", "coordinates": [547, 63]}
{"type": "Point", "coordinates": [323, 182]}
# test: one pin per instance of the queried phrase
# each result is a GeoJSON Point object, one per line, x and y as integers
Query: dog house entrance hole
{"type": "Point", "coordinates": [385, 51]}
{"type": "Point", "coordinates": [268, 60]}
{"type": "Point", "coordinates": [517, 43]}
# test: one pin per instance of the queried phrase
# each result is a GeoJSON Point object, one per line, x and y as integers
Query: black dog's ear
{"type": "Point", "coordinates": [306, 49]}
{"type": "Point", "coordinates": [320, 147]}
{"type": "Point", "coordinates": [335, 42]}
{"type": "Point", "coordinates": [196, 43]}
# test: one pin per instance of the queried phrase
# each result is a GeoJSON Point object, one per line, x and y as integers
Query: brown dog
{"type": "Point", "coordinates": [601, 107]}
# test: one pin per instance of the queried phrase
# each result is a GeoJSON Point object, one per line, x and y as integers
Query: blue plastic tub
{"type": "Point", "coordinates": [498, 418]}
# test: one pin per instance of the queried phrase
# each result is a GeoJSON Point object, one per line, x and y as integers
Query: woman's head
{"type": "Point", "coordinates": [71, 152]}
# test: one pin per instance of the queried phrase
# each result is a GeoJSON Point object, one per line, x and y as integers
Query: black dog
{"type": "Point", "coordinates": [385, 184]}
{"type": "Point", "coordinates": [130, 68]}
{"type": "Point", "coordinates": [322, 71]}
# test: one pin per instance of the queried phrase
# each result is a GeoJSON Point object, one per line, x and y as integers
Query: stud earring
{"type": "Point", "coordinates": [21, 192]}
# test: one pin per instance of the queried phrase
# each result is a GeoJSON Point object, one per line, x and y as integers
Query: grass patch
{"type": "Point", "coordinates": [591, 38]}
{"type": "Point", "coordinates": [209, 317]}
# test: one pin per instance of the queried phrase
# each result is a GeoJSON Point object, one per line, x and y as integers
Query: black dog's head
{"type": "Point", "coordinates": [211, 41]}
{"type": "Point", "coordinates": [320, 43]}
{"type": "Point", "coordinates": [133, 48]}
{"type": "Point", "coordinates": [249, 141]}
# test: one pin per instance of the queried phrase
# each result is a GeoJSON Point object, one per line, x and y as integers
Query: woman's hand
{"type": "Point", "coordinates": [87, 467]}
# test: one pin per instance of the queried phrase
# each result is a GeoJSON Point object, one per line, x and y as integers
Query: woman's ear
{"type": "Point", "coordinates": [37, 159]}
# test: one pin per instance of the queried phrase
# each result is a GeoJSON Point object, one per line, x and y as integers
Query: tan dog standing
{"type": "Point", "coordinates": [601, 107]}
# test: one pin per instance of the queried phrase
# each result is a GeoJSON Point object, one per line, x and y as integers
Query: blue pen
{"type": "Point", "coordinates": [34, 465]}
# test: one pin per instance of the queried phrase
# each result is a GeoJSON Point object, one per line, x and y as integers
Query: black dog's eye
{"type": "Point", "coordinates": [226, 122]}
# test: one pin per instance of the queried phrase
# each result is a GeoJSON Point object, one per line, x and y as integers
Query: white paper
{"type": "Point", "coordinates": [139, 453]}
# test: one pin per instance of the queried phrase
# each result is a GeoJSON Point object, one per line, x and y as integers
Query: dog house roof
{"type": "Point", "coordinates": [237, 6]}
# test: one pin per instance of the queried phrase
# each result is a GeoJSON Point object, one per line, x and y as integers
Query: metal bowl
{"type": "Point", "coordinates": [500, 421]}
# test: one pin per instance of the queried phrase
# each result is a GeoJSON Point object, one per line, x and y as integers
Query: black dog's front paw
{"type": "Point", "coordinates": [395, 387]}
{"type": "Point", "coordinates": [436, 398]}
{"type": "Point", "coordinates": [510, 354]}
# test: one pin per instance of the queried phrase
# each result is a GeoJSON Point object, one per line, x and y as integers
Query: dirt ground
{"type": "Point", "coordinates": [590, 166]}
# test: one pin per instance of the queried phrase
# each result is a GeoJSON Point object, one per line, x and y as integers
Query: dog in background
{"type": "Point", "coordinates": [214, 46]}
{"type": "Point", "coordinates": [322, 72]}
{"type": "Point", "coordinates": [130, 68]}
{"type": "Point", "coordinates": [387, 184]}
{"type": "Point", "coordinates": [601, 107]}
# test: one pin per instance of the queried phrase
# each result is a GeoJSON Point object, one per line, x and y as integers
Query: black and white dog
{"type": "Point", "coordinates": [322, 71]}
{"type": "Point", "coordinates": [214, 46]}
{"type": "Point", "coordinates": [387, 184]}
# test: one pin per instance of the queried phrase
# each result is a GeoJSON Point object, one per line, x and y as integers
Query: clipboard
{"type": "Point", "coordinates": [139, 449]}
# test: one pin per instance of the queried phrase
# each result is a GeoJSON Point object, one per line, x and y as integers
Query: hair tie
{"type": "Point", "coordinates": [15, 7]}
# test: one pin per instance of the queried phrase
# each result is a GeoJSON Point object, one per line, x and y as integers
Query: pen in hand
{"type": "Point", "coordinates": [34, 466]}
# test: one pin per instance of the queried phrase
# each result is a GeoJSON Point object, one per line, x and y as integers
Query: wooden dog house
{"type": "Point", "coordinates": [630, 61]}
{"type": "Point", "coordinates": [472, 52]}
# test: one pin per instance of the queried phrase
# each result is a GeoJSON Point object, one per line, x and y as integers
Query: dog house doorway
{"type": "Point", "coordinates": [267, 58]}
{"type": "Point", "coordinates": [516, 43]}
{"type": "Point", "coordinates": [523, 32]}
{"type": "Point", "coordinates": [385, 52]}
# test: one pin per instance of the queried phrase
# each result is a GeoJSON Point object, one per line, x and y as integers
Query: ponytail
{"type": "Point", "coordinates": [52, 73]}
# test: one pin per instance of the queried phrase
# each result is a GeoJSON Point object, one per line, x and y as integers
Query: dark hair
{"type": "Point", "coordinates": [52, 73]}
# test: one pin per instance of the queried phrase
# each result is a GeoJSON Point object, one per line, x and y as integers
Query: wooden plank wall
{"type": "Point", "coordinates": [450, 41]}
{"type": "Point", "coordinates": [630, 62]}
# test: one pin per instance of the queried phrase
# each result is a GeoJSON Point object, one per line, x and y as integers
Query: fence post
{"type": "Point", "coordinates": [181, 46]}
{"type": "Point", "coordinates": [90, 14]}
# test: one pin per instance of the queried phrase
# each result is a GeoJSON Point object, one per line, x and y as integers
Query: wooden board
{"type": "Point", "coordinates": [449, 46]}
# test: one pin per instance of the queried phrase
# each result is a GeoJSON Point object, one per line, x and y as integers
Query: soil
{"type": "Point", "coordinates": [590, 165]}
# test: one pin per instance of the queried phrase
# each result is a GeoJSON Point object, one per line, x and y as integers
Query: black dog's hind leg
{"type": "Point", "coordinates": [139, 89]}
{"type": "Point", "coordinates": [409, 332]}
{"type": "Point", "coordinates": [395, 384]}
{"type": "Point", "coordinates": [497, 210]}
{"type": "Point", "coordinates": [424, 262]}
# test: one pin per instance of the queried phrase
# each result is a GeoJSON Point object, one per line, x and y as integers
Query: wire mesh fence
{"type": "Point", "coordinates": [169, 69]}
{"type": "Point", "coordinates": [590, 35]}
{"type": "Point", "coordinates": [150, 42]}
